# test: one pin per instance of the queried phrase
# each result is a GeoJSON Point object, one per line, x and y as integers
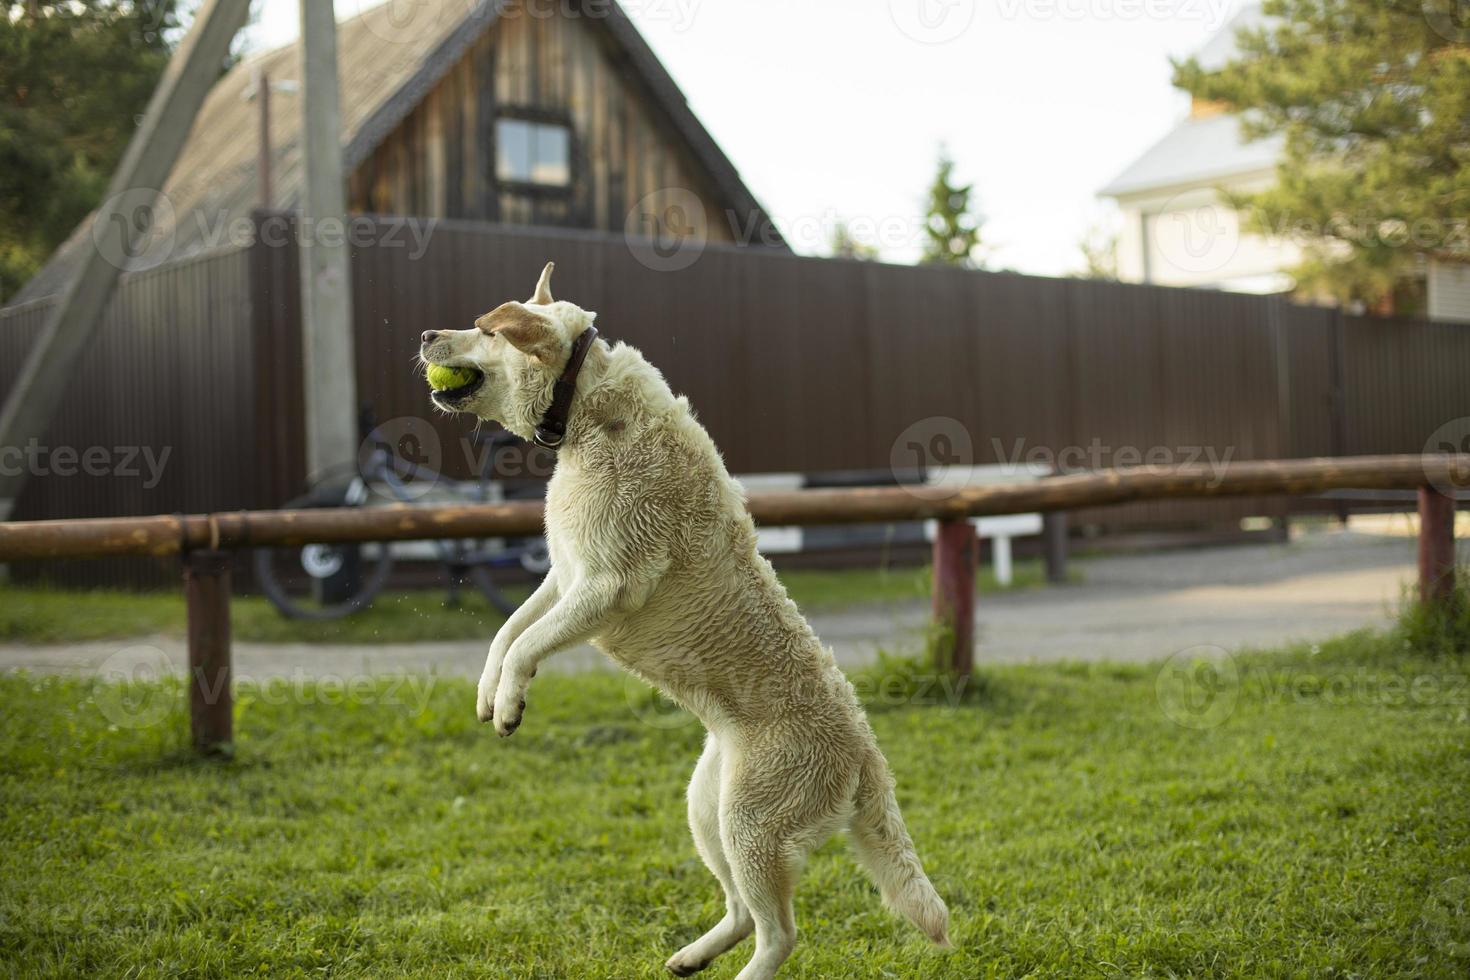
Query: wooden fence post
{"type": "Point", "coordinates": [1054, 538]}
{"type": "Point", "coordinates": [956, 555]}
{"type": "Point", "coordinates": [1436, 547]}
{"type": "Point", "coordinates": [207, 598]}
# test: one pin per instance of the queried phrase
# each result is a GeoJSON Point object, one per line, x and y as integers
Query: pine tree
{"type": "Point", "coordinates": [1373, 99]}
{"type": "Point", "coordinates": [952, 231]}
{"type": "Point", "coordinates": [847, 245]}
{"type": "Point", "coordinates": [1099, 248]}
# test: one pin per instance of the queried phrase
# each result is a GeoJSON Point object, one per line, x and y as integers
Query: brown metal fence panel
{"type": "Point", "coordinates": [1314, 381]}
{"type": "Point", "coordinates": [793, 363]}
{"type": "Point", "coordinates": [1404, 379]}
{"type": "Point", "coordinates": [809, 365]}
{"type": "Point", "coordinates": [278, 448]}
{"type": "Point", "coordinates": [158, 414]}
{"type": "Point", "coordinates": [1168, 375]}
{"type": "Point", "coordinates": [19, 327]}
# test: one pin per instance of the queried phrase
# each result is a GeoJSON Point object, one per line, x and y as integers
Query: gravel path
{"type": "Point", "coordinates": [1135, 607]}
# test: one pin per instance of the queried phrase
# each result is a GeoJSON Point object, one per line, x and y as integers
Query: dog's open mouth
{"type": "Point", "coordinates": [453, 385]}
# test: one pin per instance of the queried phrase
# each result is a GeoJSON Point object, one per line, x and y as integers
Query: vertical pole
{"type": "Point", "coordinates": [1000, 557]}
{"type": "Point", "coordinates": [956, 555]}
{"type": "Point", "coordinates": [326, 289]}
{"type": "Point", "coordinates": [1054, 538]}
{"type": "Point", "coordinates": [1436, 547]}
{"type": "Point", "coordinates": [207, 596]}
{"type": "Point", "coordinates": [1285, 448]}
{"type": "Point", "coordinates": [1337, 404]}
{"type": "Point", "coordinates": [263, 182]}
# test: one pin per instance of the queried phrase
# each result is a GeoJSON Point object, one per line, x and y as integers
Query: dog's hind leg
{"type": "Point", "coordinates": [765, 865]}
{"type": "Point", "coordinates": [704, 824]}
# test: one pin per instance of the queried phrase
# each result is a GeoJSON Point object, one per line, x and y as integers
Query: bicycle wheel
{"type": "Point", "coordinates": [480, 575]}
{"type": "Point", "coordinates": [528, 554]}
{"type": "Point", "coordinates": [535, 556]}
{"type": "Point", "coordinates": [322, 581]}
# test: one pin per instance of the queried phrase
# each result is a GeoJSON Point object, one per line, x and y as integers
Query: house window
{"type": "Point", "coordinates": [528, 152]}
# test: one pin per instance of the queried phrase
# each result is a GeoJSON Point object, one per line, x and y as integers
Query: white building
{"type": "Point", "coordinates": [1178, 232]}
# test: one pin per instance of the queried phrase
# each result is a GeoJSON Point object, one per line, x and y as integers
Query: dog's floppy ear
{"type": "Point", "coordinates": [542, 296]}
{"type": "Point", "coordinates": [526, 330]}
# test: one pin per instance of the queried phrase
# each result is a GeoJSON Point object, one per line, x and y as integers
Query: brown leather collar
{"type": "Point", "coordinates": [552, 428]}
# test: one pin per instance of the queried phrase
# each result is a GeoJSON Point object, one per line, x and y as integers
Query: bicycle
{"type": "Point", "coordinates": [330, 581]}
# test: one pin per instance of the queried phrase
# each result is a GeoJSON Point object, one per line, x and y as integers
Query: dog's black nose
{"type": "Point", "coordinates": [428, 336]}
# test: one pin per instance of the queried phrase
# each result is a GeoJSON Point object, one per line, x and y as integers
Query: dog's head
{"type": "Point", "coordinates": [514, 354]}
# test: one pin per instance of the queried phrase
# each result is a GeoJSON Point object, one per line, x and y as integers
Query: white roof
{"type": "Point", "coordinates": [1221, 47]}
{"type": "Point", "coordinates": [1193, 151]}
{"type": "Point", "coordinates": [1204, 149]}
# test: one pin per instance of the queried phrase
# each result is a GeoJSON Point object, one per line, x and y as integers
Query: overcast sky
{"type": "Point", "coordinates": [837, 109]}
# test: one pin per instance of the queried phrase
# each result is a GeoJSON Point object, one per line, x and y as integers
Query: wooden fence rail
{"type": "Point", "coordinates": [204, 540]}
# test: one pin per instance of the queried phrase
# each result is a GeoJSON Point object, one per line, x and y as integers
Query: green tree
{"type": "Point", "coordinates": [1373, 100]}
{"type": "Point", "coordinates": [1099, 248]}
{"type": "Point", "coordinates": [951, 229]}
{"type": "Point", "coordinates": [75, 75]}
{"type": "Point", "coordinates": [846, 244]}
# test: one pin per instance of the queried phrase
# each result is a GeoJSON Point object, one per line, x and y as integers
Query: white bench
{"type": "Point", "coordinates": [774, 540]}
{"type": "Point", "coordinates": [999, 529]}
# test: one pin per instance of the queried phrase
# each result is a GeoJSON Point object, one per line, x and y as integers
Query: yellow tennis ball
{"type": "Point", "coordinates": [441, 377]}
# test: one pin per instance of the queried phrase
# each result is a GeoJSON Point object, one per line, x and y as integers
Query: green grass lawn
{"type": "Point", "coordinates": [1300, 814]}
{"type": "Point", "coordinates": [40, 615]}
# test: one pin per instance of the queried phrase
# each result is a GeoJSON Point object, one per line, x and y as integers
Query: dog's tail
{"type": "Point", "coordinates": [885, 849]}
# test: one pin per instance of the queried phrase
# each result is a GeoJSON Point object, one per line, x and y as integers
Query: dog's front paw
{"type": "Point", "coordinates": [485, 697]}
{"type": "Point", "coordinates": [508, 715]}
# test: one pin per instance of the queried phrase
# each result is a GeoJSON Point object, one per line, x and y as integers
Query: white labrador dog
{"type": "Point", "coordinates": [654, 561]}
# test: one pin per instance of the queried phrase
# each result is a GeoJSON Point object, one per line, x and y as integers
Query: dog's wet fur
{"type": "Point", "coordinates": [654, 561]}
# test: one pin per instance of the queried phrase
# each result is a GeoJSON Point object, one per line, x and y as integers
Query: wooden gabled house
{"type": "Point", "coordinates": [492, 110]}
